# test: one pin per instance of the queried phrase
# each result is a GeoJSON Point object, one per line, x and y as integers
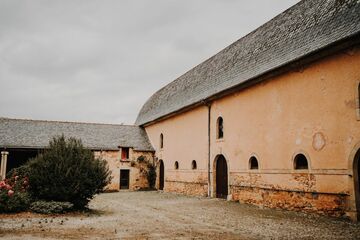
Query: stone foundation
{"type": "Point", "coordinates": [187, 188]}
{"type": "Point", "coordinates": [321, 203]}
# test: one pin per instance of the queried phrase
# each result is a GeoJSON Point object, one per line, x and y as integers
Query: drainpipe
{"type": "Point", "coordinates": [208, 104]}
{"type": "Point", "coordinates": [209, 142]}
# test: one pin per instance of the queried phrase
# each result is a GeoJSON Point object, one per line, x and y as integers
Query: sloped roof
{"type": "Point", "coordinates": [305, 28]}
{"type": "Point", "coordinates": [21, 133]}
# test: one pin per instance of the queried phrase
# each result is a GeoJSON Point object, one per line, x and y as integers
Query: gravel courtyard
{"type": "Point", "coordinates": [156, 215]}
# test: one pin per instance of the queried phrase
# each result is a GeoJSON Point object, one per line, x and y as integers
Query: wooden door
{"type": "Point", "coordinates": [161, 177]}
{"type": "Point", "coordinates": [356, 173]}
{"type": "Point", "coordinates": [221, 178]}
{"type": "Point", "coordinates": [124, 179]}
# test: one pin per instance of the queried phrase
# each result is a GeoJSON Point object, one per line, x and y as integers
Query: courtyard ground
{"type": "Point", "coordinates": [157, 215]}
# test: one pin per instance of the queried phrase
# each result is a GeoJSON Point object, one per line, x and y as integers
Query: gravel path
{"type": "Point", "coordinates": [156, 215]}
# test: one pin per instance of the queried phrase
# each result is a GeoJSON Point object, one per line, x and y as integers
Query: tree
{"type": "Point", "coordinates": [67, 172]}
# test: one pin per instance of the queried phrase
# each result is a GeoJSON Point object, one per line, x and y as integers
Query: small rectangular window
{"type": "Point", "coordinates": [124, 153]}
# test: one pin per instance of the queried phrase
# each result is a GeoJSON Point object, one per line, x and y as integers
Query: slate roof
{"type": "Point", "coordinates": [303, 29]}
{"type": "Point", "coordinates": [21, 133]}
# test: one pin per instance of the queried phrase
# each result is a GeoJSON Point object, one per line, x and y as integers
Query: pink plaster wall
{"type": "Point", "coordinates": [312, 110]}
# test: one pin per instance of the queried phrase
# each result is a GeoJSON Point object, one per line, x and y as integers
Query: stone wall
{"type": "Point", "coordinates": [298, 191]}
{"type": "Point", "coordinates": [138, 170]}
{"type": "Point", "coordinates": [187, 188]}
{"type": "Point", "coordinates": [322, 203]}
{"type": "Point", "coordinates": [190, 182]}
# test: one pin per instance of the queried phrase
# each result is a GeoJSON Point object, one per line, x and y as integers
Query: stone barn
{"type": "Point", "coordinates": [271, 120]}
{"type": "Point", "coordinates": [126, 148]}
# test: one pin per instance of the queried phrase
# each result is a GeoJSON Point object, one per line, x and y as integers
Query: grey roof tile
{"type": "Point", "coordinates": [307, 27]}
{"type": "Point", "coordinates": [21, 133]}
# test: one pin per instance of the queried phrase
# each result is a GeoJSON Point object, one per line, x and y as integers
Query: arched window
{"type": "Point", "coordinates": [193, 164]}
{"type": "Point", "coordinates": [220, 128]}
{"type": "Point", "coordinates": [253, 163]}
{"type": "Point", "coordinates": [301, 162]}
{"type": "Point", "coordinates": [161, 141]}
{"type": "Point", "coordinates": [176, 165]}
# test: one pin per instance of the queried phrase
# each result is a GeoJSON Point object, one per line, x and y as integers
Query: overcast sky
{"type": "Point", "coordinates": [99, 61]}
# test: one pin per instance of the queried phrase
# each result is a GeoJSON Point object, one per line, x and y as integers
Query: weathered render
{"type": "Point", "coordinates": [23, 139]}
{"type": "Point", "coordinates": [287, 91]}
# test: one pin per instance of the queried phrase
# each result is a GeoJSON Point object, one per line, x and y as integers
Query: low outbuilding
{"type": "Point", "coordinates": [126, 148]}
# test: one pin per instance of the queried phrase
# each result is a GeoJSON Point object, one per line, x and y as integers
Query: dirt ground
{"type": "Point", "coordinates": [157, 215]}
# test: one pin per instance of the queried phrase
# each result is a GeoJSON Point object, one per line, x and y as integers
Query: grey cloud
{"type": "Point", "coordinates": [99, 61]}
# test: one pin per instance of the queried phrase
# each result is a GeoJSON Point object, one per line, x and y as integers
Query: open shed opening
{"type": "Point", "coordinates": [18, 157]}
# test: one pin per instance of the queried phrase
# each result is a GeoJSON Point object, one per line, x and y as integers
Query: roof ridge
{"type": "Point", "coordinates": [208, 59]}
{"type": "Point", "coordinates": [63, 121]}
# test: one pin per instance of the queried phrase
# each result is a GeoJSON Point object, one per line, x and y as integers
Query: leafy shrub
{"type": "Point", "coordinates": [141, 159]}
{"type": "Point", "coordinates": [51, 207]}
{"type": "Point", "coordinates": [67, 172]}
{"type": "Point", "coordinates": [22, 171]}
{"type": "Point", "coordinates": [14, 196]}
{"type": "Point", "coordinates": [18, 202]}
{"type": "Point", "coordinates": [151, 175]}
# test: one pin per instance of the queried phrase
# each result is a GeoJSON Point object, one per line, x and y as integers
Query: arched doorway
{"type": "Point", "coordinates": [356, 171]}
{"type": "Point", "coordinates": [161, 176]}
{"type": "Point", "coordinates": [221, 177]}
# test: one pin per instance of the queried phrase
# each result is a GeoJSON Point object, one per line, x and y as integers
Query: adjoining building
{"type": "Point", "coordinates": [273, 119]}
{"type": "Point", "coordinates": [126, 148]}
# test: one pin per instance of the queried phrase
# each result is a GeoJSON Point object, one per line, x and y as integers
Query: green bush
{"type": "Point", "coordinates": [14, 196]}
{"type": "Point", "coordinates": [22, 172]}
{"type": "Point", "coordinates": [51, 207]}
{"type": "Point", "coordinates": [141, 159]}
{"type": "Point", "coordinates": [151, 175]}
{"type": "Point", "coordinates": [18, 202]}
{"type": "Point", "coordinates": [67, 172]}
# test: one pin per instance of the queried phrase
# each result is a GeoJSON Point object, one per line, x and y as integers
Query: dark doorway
{"type": "Point", "coordinates": [161, 176]}
{"type": "Point", "coordinates": [301, 162]}
{"type": "Point", "coordinates": [356, 170]}
{"type": "Point", "coordinates": [124, 179]}
{"type": "Point", "coordinates": [18, 157]}
{"type": "Point", "coordinates": [221, 178]}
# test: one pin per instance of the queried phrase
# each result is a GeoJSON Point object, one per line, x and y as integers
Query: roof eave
{"type": "Point", "coordinates": [308, 58]}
